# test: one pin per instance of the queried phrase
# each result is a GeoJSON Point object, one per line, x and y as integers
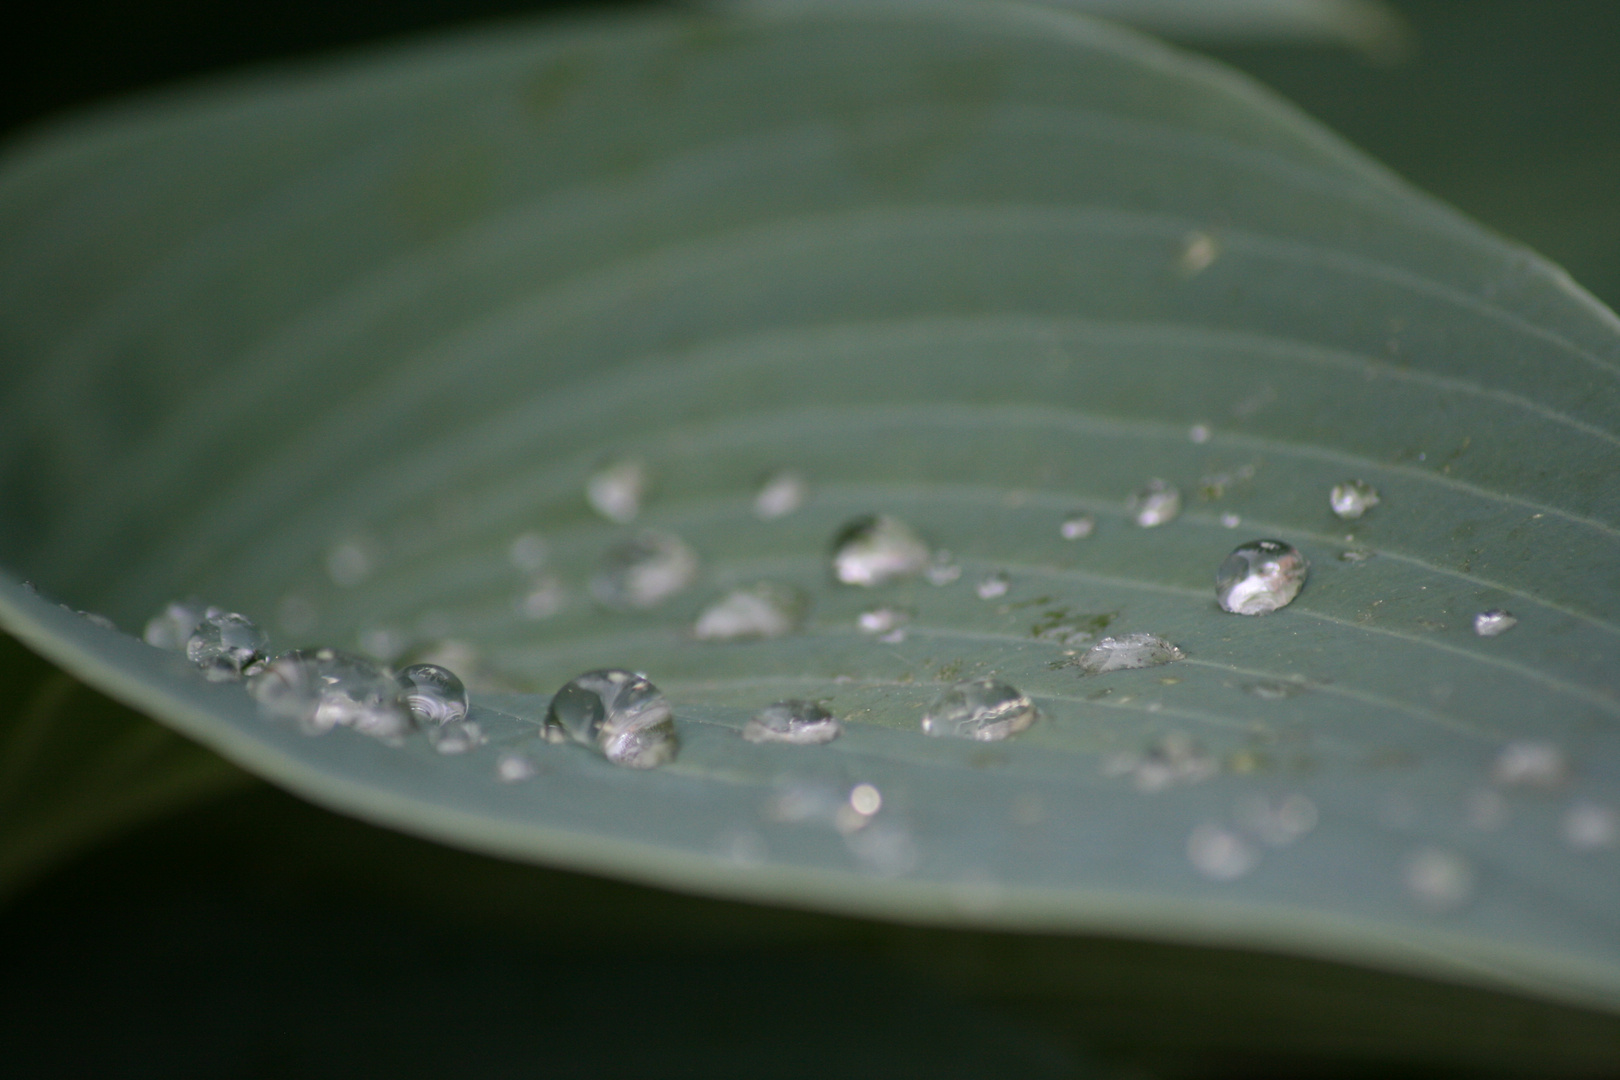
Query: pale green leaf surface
{"type": "Point", "coordinates": [933, 259]}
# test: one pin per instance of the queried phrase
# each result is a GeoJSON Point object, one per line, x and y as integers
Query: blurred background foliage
{"type": "Point", "coordinates": [219, 927]}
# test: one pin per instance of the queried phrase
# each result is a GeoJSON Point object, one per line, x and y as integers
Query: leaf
{"type": "Point", "coordinates": [980, 267]}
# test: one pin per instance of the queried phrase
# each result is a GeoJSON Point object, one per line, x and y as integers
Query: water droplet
{"type": "Point", "coordinates": [882, 620]}
{"type": "Point", "coordinates": [865, 799]}
{"type": "Point", "coordinates": [514, 768]}
{"type": "Point", "coordinates": [1355, 555]}
{"type": "Point", "coordinates": [1231, 521]}
{"type": "Point", "coordinates": [1219, 853]}
{"type": "Point", "coordinates": [171, 628]}
{"type": "Point", "coordinates": [226, 645]}
{"type": "Point", "coordinates": [1078, 527]}
{"type": "Point", "coordinates": [545, 597]}
{"type": "Point", "coordinates": [1352, 499]}
{"type": "Point", "coordinates": [1589, 826]}
{"type": "Point", "coordinates": [765, 609]}
{"type": "Point", "coordinates": [984, 709]}
{"type": "Point", "coordinates": [1532, 764]}
{"type": "Point", "coordinates": [1439, 880]}
{"type": "Point", "coordinates": [319, 689]}
{"type": "Point", "coordinates": [351, 561]}
{"type": "Point", "coordinates": [1260, 577]}
{"type": "Point", "coordinates": [801, 723]}
{"type": "Point", "coordinates": [942, 568]}
{"type": "Point", "coordinates": [615, 491]}
{"type": "Point", "coordinates": [1198, 252]}
{"type": "Point", "coordinates": [529, 552]}
{"type": "Point", "coordinates": [644, 571]}
{"type": "Point", "coordinates": [1493, 622]}
{"type": "Point", "coordinates": [1199, 434]}
{"type": "Point", "coordinates": [994, 585]}
{"type": "Point", "coordinates": [872, 550]}
{"type": "Point", "coordinates": [780, 495]}
{"type": "Point", "coordinates": [1158, 503]}
{"type": "Point", "coordinates": [456, 737]}
{"type": "Point", "coordinates": [1277, 822]}
{"type": "Point", "coordinates": [619, 714]}
{"type": "Point", "coordinates": [434, 694]}
{"type": "Point", "coordinates": [1130, 651]}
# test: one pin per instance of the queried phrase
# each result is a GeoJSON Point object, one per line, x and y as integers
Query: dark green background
{"type": "Point", "coordinates": [256, 936]}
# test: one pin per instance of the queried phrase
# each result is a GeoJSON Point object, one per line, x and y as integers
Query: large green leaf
{"type": "Point", "coordinates": [978, 266]}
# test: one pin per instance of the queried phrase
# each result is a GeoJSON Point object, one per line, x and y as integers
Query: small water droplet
{"type": "Point", "coordinates": [226, 645]}
{"type": "Point", "coordinates": [171, 628]}
{"type": "Point", "coordinates": [942, 568]}
{"type": "Point", "coordinates": [1197, 253]}
{"type": "Point", "coordinates": [514, 768]}
{"type": "Point", "coordinates": [1078, 527]}
{"type": "Point", "coordinates": [1439, 880]}
{"type": "Point", "coordinates": [644, 571]}
{"type": "Point", "coordinates": [545, 598]}
{"type": "Point", "coordinates": [1493, 622]}
{"type": "Point", "coordinates": [616, 490]}
{"type": "Point", "coordinates": [319, 689]}
{"type": "Point", "coordinates": [1276, 822]}
{"type": "Point", "coordinates": [780, 495]}
{"type": "Point", "coordinates": [1589, 826]}
{"type": "Point", "coordinates": [1159, 503]}
{"type": "Point", "coordinates": [351, 561]}
{"type": "Point", "coordinates": [1352, 499]}
{"type": "Point", "coordinates": [456, 737]}
{"type": "Point", "coordinates": [1231, 521]}
{"type": "Point", "coordinates": [865, 799]}
{"type": "Point", "coordinates": [1220, 854]}
{"type": "Point", "coordinates": [529, 552]}
{"type": "Point", "coordinates": [1260, 577]}
{"type": "Point", "coordinates": [987, 710]}
{"type": "Point", "coordinates": [1199, 434]}
{"type": "Point", "coordinates": [1530, 763]}
{"type": "Point", "coordinates": [1355, 555]}
{"type": "Point", "coordinates": [873, 550]}
{"type": "Point", "coordinates": [765, 609]}
{"type": "Point", "coordinates": [994, 585]}
{"type": "Point", "coordinates": [1130, 651]}
{"type": "Point", "coordinates": [619, 714]}
{"type": "Point", "coordinates": [882, 620]}
{"type": "Point", "coordinates": [434, 694]}
{"type": "Point", "coordinates": [800, 723]}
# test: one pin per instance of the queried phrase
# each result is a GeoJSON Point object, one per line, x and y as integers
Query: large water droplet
{"type": "Point", "coordinates": [644, 571]}
{"type": "Point", "coordinates": [1130, 651]}
{"type": "Point", "coordinates": [780, 495]}
{"type": "Point", "coordinates": [1078, 527]}
{"type": "Point", "coordinates": [226, 645]}
{"type": "Point", "coordinates": [1439, 880]}
{"type": "Point", "coordinates": [1352, 499]}
{"type": "Point", "coordinates": [1532, 764]}
{"type": "Point", "coordinates": [434, 694]}
{"type": "Point", "coordinates": [984, 709]}
{"type": "Point", "coordinates": [1220, 854]}
{"type": "Point", "coordinates": [619, 714]}
{"type": "Point", "coordinates": [319, 689]}
{"type": "Point", "coordinates": [801, 723]}
{"type": "Point", "coordinates": [1158, 503]}
{"type": "Point", "coordinates": [872, 550]}
{"type": "Point", "coordinates": [765, 609]}
{"type": "Point", "coordinates": [1493, 622]}
{"type": "Point", "coordinates": [615, 491]}
{"type": "Point", "coordinates": [1260, 577]}
{"type": "Point", "coordinates": [993, 585]}
{"type": "Point", "coordinates": [171, 628]}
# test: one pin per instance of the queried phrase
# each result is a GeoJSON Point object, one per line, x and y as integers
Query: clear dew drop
{"type": "Point", "coordinates": [781, 494]}
{"type": "Point", "coordinates": [1260, 577]}
{"type": "Point", "coordinates": [799, 723]}
{"type": "Point", "coordinates": [320, 689]}
{"type": "Point", "coordinates": [1139, 650]}
{"type": "Point", "coordinates": [993, 586]}
{"type": "Point", "coordinates": [1530, 763]}
{"type": "Point", "coordinates": [765, 609]}
{"type": "Point", "coordinates": [1493, 622]}
{"type": "Point", "coordinates": [987, 710]}
{"type": "Point", "coordinates": [226, 645]}
{"type": "Point", "coordinates": [1220, 854]}
{"type": "Point", "coordinates": [943, 568]}
{"type": "Point", "coordinates": [619, 714]}
{"type": "Point", "coordinates": [1439, 880]}
{"type": "Point", "coordinates": [1078, 527]}
{"type": "Point", "coordinates": [1158, 503]}
{"type": "Point", "coordinates": [1590, 826]}
{"type": "Point", "coordinates": [616, 490]}
{"type": "Point", "coordinates": [171, 628]}
{"type": "Point", "coordinates": [434, 694]}
{"type": "Point", "coordinates": [456, 737]}
{"type": "Point", "coordinates": [870, 551]}
{"type": "Point", "coordinates": [528, 552]}
{"type": "Point", "coordinates": [1352, 499]}
{"type": "Point", "coordinates": [644, 571]}
{"type": "Point", "coordinates": [514, 768]}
